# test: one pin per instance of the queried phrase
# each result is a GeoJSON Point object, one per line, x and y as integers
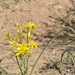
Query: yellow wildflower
{"type": "Point", "coordinates": [17, 24]}
{"type": "Point", "coordinates": [18, 32]}
{"type": "Point", "coordinates": [7, 34]}
{"type": "Point", "coordinates": [29, 35]}
{"type": "Point", "coordinates": [22, 49]}
{"type": "Point", "coordinates": [30, 25]}
{"type": "Point", "coordinates": [33, 44]}
{"type": "Point", "coordinates": [13, 42]}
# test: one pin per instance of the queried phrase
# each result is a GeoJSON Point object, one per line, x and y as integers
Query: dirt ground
{"type": "Point", "coordinates": [51, 16]}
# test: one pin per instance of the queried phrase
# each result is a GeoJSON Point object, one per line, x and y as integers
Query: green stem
{"type": "Point", "coordinates": [5, 71]}
{"type": "Point", "coordinates": [24, 64]}
{"type": "Point", "coordinates": [27, 37]}
{"type": "Point", "coordinates": [20, 38]}
{"type": "Point", "coordinates": [20, 30]}
{"type": "Point", "coordinates": [19, 65]}
{"type": "Point", "coordinates": [47, 45]}
{"type": "Point", "coordinates": [27, 58]}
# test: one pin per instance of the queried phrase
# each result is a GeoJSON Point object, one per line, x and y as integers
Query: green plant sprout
{"type": "Point", "coordinates": [59, 10]}
{"type": "Point", "coordinates": [54, 62]}
{"type": "Point", "coordinates": [22, 47]}
{"type": "Point", "coordinates": [70, 56]}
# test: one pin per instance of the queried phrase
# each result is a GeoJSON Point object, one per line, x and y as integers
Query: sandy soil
{"type": "Point", "coordinates": [51, 16]}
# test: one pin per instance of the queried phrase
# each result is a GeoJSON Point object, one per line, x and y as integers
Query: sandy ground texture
{"type": "Point", "coordinates": [51, 16]}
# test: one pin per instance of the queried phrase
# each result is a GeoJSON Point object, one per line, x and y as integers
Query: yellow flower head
{"type": "Point", "coordinates": [7, 34]}
{"type": "Point", "coordinates": [29, 35]}
{"type": "Point", "coordinates": [33, 44]}
{"type": "Point", "coordinates": [17, 24]}
{"type": "Point", "coordinates": [30, 25]}
{"type": "Point", "coordinates": [20, 25]}
{"type": "Point", "coordinates": [13, 42]}
{"type": "Point", "coordinates": [18, 32]}
{"type": "Point", "coordinates": [22, 49]}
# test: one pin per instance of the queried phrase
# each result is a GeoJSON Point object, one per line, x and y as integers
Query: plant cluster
{"type": "Point", "coordinates": [23, 45]}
